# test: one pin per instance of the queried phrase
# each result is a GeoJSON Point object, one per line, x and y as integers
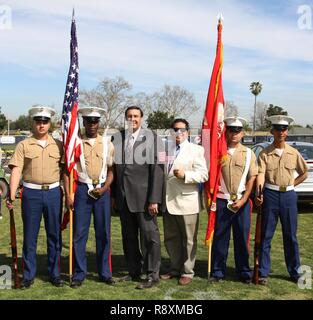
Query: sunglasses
{"type": "Point", "coordinates": [180, 130]}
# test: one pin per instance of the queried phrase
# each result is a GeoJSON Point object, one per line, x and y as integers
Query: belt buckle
{"type": "Point", "coordinates": [95, 181]}
{"type": "Point", "coordinates": [282, 188]}
{"type": "Point", "coordinates": [233, 197]}
{"type": "Point", "coordinates": [44, 187]}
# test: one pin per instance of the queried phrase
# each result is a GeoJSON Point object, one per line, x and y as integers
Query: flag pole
{"type": "Point", "coordinates": [70, 130]}
{"type": "Point", "coordinates": [70, 209]}
{"type": "Point", "coordinates": [209, 258]}
{"type": "Point", "coordinates": [71, 231]}
{"type": "Point", "coordinates": [213, 121]}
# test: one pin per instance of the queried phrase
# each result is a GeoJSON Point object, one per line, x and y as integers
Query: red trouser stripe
{"type": "Point", "coordinates": [249, 236]}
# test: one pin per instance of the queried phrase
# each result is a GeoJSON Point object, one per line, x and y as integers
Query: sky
{"type": "Point", "coordinates": [157, 42]}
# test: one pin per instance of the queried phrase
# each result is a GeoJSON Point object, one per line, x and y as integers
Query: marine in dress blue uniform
{"type": "Point", "coordinates": [37, 160]}
{"type": "Point", "coordinates": [233, 205]}
{"type": "Point", "coordinates": [92, 195]}
{"type": "Point", "coordinates": [277, 166]}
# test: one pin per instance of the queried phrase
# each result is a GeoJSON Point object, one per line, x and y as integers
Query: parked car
{"type": "Point", "coordinates": [305, 189]}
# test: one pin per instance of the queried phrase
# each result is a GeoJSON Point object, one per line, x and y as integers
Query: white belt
{"type": "Point", "coordinates": [228, 196]}
{"type": "Point", "coordinates": [90, 181]}
{"type": "Point", "coordinates": [279, 188]}
{"type": "Point", "coordinates": [41, 186]}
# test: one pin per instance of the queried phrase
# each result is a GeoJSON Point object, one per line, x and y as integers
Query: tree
{"type": "Point", "coordinates": [55, 121]}
{"type": "Point", "coordinates": [230, 109]}
{"type": "Point", "coordinates": [23, 122]}
{"type": "Point", "coordinates": [176, 101]}
{"type": "Point", "coordinates": [272, 111]}
{"type": "Point", "coordinates": [3, 120]}
{"type": "Point", "coordinates": [113, 95]}
{"type": "Point", "coordinates": [159, 120]}
{"type": "Point", "coordinates": [255, 88]}
{"type": "Point", "coordinates": [246, 127]}
{"type": "Point", "coordinates": [275, 110]}
{"type": "Point", "coordinates": [260, 117]}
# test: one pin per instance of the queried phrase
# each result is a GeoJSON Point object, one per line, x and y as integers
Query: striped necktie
{"type": "Point", "coordinates": [170, 164]}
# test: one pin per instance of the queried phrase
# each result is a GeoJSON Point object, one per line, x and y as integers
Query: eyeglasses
{"type": "Point", "coordinates": [180, 130]}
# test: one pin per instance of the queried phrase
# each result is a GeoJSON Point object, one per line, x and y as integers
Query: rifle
{"type": "Point", "coordinates": [257, 240]}
{"type": "Point", "coordinates": [14, 250]}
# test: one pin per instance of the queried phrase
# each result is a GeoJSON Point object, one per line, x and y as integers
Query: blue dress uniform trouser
{"type": "Point", "coordinates": [34, 204]}
{"type": "Point", "coordinates": [283, 205]}
{"type": "Point", "coordinates": [84, 205]}
{"type": "Point", "coordinates": [240, 223]}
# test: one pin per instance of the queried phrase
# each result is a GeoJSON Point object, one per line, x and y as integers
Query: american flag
{"type": "Point", "coordinates": [69, 122]}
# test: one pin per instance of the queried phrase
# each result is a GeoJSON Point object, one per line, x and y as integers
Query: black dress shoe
{"type": "Point", "coordinates": [57, 282]}
{"type": "Point", "coordinates": [149, 283]}
{"type": "Point", "coordinates": [76, 283]}
{"type": "Point", "coordinates": [295, 279]}
{"type": "Point", "coordinates": [128, 277]}
{"type": "Point", "coordinates": [108, 281]}
{"type": "Point", "coordinates": [26, 284]}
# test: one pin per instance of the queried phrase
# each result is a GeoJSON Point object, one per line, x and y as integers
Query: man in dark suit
{"type": "Point", "coordinates": [137, 196]}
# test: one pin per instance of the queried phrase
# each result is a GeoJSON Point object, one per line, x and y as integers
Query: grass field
{"type": "Point", "coordinates": [279, 286]}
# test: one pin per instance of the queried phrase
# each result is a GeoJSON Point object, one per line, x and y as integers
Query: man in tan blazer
{"type": "Point", "coordinates": [185, 170]}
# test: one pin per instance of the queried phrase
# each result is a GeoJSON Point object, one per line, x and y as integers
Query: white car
{"type": "Point", "coordinates": [305, 189]}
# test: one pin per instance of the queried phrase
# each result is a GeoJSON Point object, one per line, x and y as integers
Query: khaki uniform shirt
{"type": "Point", "coordinates": [39, 165]}
{"type": "Point", "coordinates": [280, 170]}
{"type": "Point", "coordinates": [234, 166]}
{"type": "Point", "coordinates": [94, 156]}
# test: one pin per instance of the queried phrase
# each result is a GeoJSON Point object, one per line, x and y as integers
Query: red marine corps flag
{"type": "Point", "coordinates": [213, 139]}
